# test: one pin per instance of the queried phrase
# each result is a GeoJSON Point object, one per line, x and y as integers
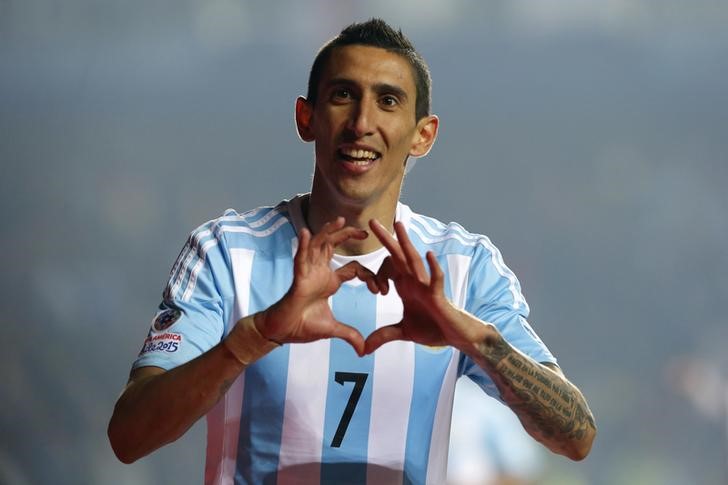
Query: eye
{"type": "Point", "coordinates": [389, 101]}
{"type": "Point", "coordinates": [341, 94]}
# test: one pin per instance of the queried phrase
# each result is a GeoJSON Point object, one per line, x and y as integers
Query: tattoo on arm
{"type": "Point", "coordinates": [546, 402]}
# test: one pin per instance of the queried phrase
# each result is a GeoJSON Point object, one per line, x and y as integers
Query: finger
{"type": "Point", "coordinates": [414, 260]}
{"type": "Point", "coordinates": [350, 335]}
{"type": "Point", "coordinates": [437, 277]}
{"type": "Point", "coordinates": [386, 272]}
{"type": "Point", "coordinates": [332, 226]}
{"type": "Point", "coordinates": [389, 242]}
{"type": "Point", "coordinates": [381, 336]}
{"type": "Point", "coordinates": [355, 269]}
{"type": "Point", "coordinates": [304, 239]}
{"type": "Point", "coordinates": [373, 285]}
{"type": "Point", "coordinates": [346, 233]}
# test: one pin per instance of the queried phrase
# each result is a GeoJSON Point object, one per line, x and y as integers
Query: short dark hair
{"type": "Point", "coordinates": [376, 33]}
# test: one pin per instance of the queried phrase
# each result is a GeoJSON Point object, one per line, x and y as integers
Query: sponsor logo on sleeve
{"type": "Point", "coordinates": [166, 319]}
{"type": "Point", "coordinates": [163, 342]}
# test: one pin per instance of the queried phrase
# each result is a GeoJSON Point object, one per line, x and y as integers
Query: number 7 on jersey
{"type": "Point", "coordinates": [359, 379]}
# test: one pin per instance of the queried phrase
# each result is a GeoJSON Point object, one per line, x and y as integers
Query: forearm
{"type": "Point", "coordinates": [158, 407]}
{"type": "Point", "coordinates": [550, 407]}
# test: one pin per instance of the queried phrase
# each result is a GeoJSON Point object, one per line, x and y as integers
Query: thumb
{"type": "Point", "coordinates": [350, 335]}
{"type": "Point", "coordinates": [382, 335]}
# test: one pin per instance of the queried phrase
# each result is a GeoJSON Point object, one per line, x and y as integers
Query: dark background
{"type": "Point", "coordinates": [587, 139]}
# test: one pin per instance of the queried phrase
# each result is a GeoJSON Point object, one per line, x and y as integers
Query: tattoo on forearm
{"type": "Point", "coordinates": [542, 398]}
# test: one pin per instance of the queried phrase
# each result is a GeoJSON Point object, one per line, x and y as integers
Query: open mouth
{"type": "Point", "coordinates": [358, 157]}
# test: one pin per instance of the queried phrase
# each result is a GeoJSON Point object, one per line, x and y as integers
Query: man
{"type": "Point", "coordinates": [244, 333]}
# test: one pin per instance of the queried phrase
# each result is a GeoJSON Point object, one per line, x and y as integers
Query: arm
{"type": "Point", "coordinates": [551, 409]}
{"type": "Point", "coordinates": [157, 407]}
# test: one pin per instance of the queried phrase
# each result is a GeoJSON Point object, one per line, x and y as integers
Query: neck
{"type": "Point", "coordinates": [318, 211]}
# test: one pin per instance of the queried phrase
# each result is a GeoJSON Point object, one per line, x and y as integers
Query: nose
{"type": "Point", "coordinates": [361, 119]}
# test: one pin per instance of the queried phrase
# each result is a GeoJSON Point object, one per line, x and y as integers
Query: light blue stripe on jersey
{"type": "Point", "coordinates": [261, 421]}
{"type": "Point", "coordinates": [347, 464]}
{"type": "Point", "coordinates": [430, 367]}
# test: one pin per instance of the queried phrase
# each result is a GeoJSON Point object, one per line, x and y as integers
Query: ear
{"type": "Point", "coordinates": [425, 135]}
{"type": "Point", "coordinates": [304, 116]}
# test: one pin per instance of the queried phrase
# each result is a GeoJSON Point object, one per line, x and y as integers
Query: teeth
{"type": "Point", "coordinates": [359, 154]}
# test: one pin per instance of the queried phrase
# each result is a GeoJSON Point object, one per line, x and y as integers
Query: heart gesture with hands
{"type": "Point", "coordinates": [303, 314]}
{"type": "Point", "coordinates": [429, 318]}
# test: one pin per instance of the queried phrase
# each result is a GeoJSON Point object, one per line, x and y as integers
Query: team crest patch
{"type": "Point", "coordinates": [166, 319]}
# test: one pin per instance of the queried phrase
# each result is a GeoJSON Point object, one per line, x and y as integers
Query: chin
{"type": "Point", "coordinates": [353, 196]}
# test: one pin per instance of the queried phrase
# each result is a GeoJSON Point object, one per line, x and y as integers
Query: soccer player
{"type": "Point", "coordinates": [263, 321]}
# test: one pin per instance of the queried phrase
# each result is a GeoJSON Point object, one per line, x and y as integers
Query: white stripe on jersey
{"type": "Point", "coordinates": [304, 413]}
{"type": "Point", "coordinates": [196, 269]}
{"type": "Point", "coordinates": [458, 266]}
{"type": "Point", "coordinates": [437, 458]}
{"type": "Point", "coordinates": [184, 260]}
{"type": "Point", "coordinates": [242, 263]}
{"type": "Point", "coordinates": [430, 238]}
{"type": "Point", "coordinates": [388, 421]}
{"type": "Point", "coordinates": [189, 256]}
{"type": "Point", "coordinates": [248, 217]}
{"type": "Point", "coordinates": [222, 450]}
{"type": "Point", "coordinates": [263, 220]}
{"type": "Point", "coordinates": [253, 232]}
{"type": "Point", "coordinates": [223, 425]}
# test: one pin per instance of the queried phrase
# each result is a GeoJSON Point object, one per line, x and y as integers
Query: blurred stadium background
{"type": "Point", "coordinates": [589, 140]}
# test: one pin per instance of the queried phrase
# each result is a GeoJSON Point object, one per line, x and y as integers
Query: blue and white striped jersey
{"type": "Point", "coordinates": [316, 412]}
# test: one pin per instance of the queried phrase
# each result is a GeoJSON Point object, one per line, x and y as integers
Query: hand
{"type": "Point", "coordinates": [303, 314]}
{"type": "Point", "coordinates": [429, 318]}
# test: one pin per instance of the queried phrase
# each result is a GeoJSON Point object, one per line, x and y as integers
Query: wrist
{"type": "Point", "coordinates": [483, 342]}
{"type": "Point", "coordinates": [246, 342]}
{"type": "Point", "coordinates": [266, 321]}
{"type": "Point", "coordinates": [476, 337]}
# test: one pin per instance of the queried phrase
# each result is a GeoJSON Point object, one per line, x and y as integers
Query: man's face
{"type": "Point", "coordinates": [363, 125]}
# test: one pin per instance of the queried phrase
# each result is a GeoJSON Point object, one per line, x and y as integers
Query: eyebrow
{"type": "Point", "coordinates": [384, 88]}
{"type": "Point", "coordinates": [379, 88]}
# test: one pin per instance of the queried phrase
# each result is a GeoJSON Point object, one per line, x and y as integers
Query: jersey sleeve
{"type": "Point", "coordinates": [191, 317]}
{"type": "Point", "coordinates": [494, 296]}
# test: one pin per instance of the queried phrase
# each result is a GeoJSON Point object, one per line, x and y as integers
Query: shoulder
{"type": "Point", "coordinates": [236, 227]}
{"type": "Point", "coordinates": [448, 238]}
